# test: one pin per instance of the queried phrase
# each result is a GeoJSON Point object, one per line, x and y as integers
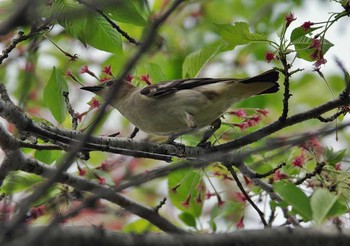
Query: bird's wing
{"type": "Point", "coordinates": [169, 87]}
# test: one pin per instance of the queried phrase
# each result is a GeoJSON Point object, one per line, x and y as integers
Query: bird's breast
{"type": "Point", "coordinates": [166, 115]}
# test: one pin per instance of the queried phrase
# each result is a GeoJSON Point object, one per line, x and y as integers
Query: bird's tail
{"type": "Point", "coordinates": [268, 76]}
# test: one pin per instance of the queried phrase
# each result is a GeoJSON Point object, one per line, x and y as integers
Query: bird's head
{"type": "Point", "coordinates": [123, 87]}
{"type": "Point", "coordinates": [100, 89]}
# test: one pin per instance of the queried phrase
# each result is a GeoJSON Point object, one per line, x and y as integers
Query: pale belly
{"type": "Point", "coordinates": [167, 115]}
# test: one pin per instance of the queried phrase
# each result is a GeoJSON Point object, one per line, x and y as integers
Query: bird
{"type": "Point", "coordinates": [177, 107]}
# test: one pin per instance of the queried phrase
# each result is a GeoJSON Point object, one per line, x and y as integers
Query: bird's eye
{"type": "Point", "coordinates": [109, 83]}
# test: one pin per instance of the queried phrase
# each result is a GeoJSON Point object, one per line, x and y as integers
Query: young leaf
{"type": "Point", "coordinates": [74, 26]}
{"type": "Point", "coordinates": [100, 34]}
{"type": "Point", "coordinates": [89, 28]}
{"type": "Point", "coordinates": [155, 72]}
{"type": "Point", "coordinates": [19, 181]}
{"type": "Point", "coordinates": [239, 34]}
{"type": "Point", "coordinates": [126, 12]}
{"type": "Point", "coordinates": [140, 226]}
{"type": "Point", "coordinates": [300, 32]}
{"type": "Point", "coordinates": [294, 197]}
{"type": "Point", "coordinates": [196, 60]}
{"type": "Point", "coordinates": [339, 208]}
{"type": "Point", "coordinates": [47, 156]}
{"type": "Point", "coordinates": [333, 157]}
{"type": "Point", "coordinates": [302, 47]}
{"type": "Point", "coordinates": [322, 202]}
{"type": "Point", "coordinates": [213, 225]}
{"type": "Point", "coordinates": [53, 192]}
{"type": "Point", "coordinates": [53, 95]}
{"type": "Point", "coordinates": [188, 219]}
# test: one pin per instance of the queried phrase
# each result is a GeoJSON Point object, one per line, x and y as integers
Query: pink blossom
{"type": "Point", "coordinates": [289, 18]}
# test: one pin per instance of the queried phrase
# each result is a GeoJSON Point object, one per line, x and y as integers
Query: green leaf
{"type": "Point", "coordinates": [302, 45]}
{"type": "Point", "coordinates": [126, 12]}
{"type": "Point", "coordinates": [300, 32]}
{"type": "Point", "coordinates": [339, 208]}
{"type": "Point", "coordinates": [213, 225]}
{"type": "Point", "coordinates": [53, 95]}
{"type": "Point", "coordinates": [188, 219]}
{"type": "Point", "coordinates": [196, 60]}
{"type": "Point", "coordinates": [333, 157]}
{"type": "Point", "coordinates": [155, 72]}
{"type": "Point", "coordinates": [322, 202]}
{"type": "Point", "coordinates": [294, 197]}
{"type": "Point", "coordinates": [239, 34]}
{"type": "Point", "coordinates": [100, 34]}
{"type": "Point", "coordinates": [74, 26]}
{"type": "Point", "coordinates": [19, 181]}
{"type": "Point", "coordinates": [52, 193]}
{"type": "Point", "coordinates": [47, 156]}
{"type": "Point", "coordinates": [184, 191]}
{"type": "Point", "coordinates": [140, 226]}
{"type": "Point", "coordinates": [89, 28]}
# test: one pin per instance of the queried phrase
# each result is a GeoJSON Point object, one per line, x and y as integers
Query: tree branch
{"type": "Point", "coordinates": [92, 236]}
{"type": "Point", "coordinates": [28, 164]}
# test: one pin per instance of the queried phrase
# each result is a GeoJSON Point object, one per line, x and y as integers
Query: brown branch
{"type": "Point", "coordinates": [19, 16]}
{"type": "Point", "coordinates": [71, 111]}
{"type": "Point", "coordinates": [331, 118]}
{"type": "Point", "coordinates": [160, 205]}
{"type": "Point", "coordinates": [39, 146]}
{"type": "Point", "coordinates": [286, 93]}
{"type": "Point", "coordinates": [20, 161]}
{"type": "Point", "coordinates": [127, 146]}
{"type": "Point", "coordinates": [318, 169]}
{"type": "Point", "coordinates": [20, 38]}
{"type": "Point", "coordinates": [92, 236]}
{"type": "Point", "coordinates": [278, 125]}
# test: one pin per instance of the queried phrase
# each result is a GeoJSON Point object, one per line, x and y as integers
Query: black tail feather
{"type": "Point", "coordinates": [268, 76]}
{"type": "Point", "coordinates": [273, 89]}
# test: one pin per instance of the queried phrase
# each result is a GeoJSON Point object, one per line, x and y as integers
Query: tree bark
{"type": "Point", "coordinates": [86, 236]}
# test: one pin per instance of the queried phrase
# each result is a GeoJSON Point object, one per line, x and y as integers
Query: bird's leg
{"type": "Point", "coordinates": [171, 138]}
{"type": "Point", "coordinates": [190, 122]}
{"type": "Point", "coordinates": [208, 133]}
{"type": "Point", "coordinates": [134, 132]}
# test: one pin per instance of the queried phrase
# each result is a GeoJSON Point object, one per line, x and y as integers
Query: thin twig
{"type": "Point", "coordinates": [71, 111]}
{"type": "Point", "coordinates": [318, 169]}
{"type": "Point", "coordinates": [20, 38]}
{"type": "Point", "coordinates": [241, 188]}
{"type": "Point", "coordinates": [332, 117]}
{"type": "Point", "coordinates": [39, 146]}
{"type": "Point", "coordinates": [134, 132]}
{"type": "Point", "coordinates": [286, 94]}
{"type": "Point", "coordinates": [263, 175]}
{"type": "Point", "coordinates": [160, 205]}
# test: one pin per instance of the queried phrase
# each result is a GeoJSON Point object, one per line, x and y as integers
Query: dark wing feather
{"type": "Point", "coordinates": [268, 76]}
{"type": "Point", "coordinates": [169, 87]}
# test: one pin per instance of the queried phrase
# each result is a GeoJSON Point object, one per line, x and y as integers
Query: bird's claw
{"type": "Point", "coordinates": [204, 144]}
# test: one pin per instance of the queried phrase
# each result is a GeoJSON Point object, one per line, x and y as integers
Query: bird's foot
{"type": "Point", "coordinates": [172, 142]}
{"type": "Point", "coordinates": [204, 144]}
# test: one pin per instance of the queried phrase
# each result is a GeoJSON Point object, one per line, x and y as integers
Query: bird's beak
{"type": "Point", "coordinates": [92, 88]}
